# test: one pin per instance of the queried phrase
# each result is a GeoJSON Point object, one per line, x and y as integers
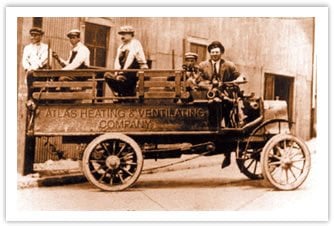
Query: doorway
{"type": "Point", "coordinates": [279, 87]}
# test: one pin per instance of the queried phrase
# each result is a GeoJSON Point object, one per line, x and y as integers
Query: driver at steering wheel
{"type": "Point", "coordinates": [213, 74]}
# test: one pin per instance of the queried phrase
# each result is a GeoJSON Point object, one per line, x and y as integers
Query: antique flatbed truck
{"type": "Point", "coordinates": [163, 120]}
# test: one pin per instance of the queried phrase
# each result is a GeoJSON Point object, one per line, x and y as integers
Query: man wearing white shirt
{"type": "Point", "coordinates": [78, 58]}
{"type": "Point", "coordinates": [130, 55]}
{"type": "Point", "coordinates": [35, 55]}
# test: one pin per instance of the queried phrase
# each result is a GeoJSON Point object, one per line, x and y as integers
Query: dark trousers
{"type": "Point", "coordinates": [124, 88]}
{"type": "Point", "coordinates": [226, 113]}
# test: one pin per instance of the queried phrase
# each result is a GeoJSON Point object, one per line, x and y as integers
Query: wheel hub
{"type": "Point", "coordinates": [286, 163]}
{"type": "Point", "coordinates": [113, 162]}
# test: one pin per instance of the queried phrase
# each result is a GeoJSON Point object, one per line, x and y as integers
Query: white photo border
{"type": "Point", "coordinates": [12, 13]}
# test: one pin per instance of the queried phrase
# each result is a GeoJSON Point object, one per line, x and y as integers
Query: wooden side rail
{"type": "Point", "coordinates": [155, 88]}
{"type": "Point", "coordinates": [152, 84]}
{"type": "Point", "coordinates": [60, 73]}
{"type": "Point", "coordinates": [53, 84]}
{"type": "Point", "coordinates": [63, 95]}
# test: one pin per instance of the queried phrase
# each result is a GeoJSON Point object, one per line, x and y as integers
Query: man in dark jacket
{"type": "Point", "coordinates": [216, 68]}
{"type": "Point", "coordinates": [215, 72]}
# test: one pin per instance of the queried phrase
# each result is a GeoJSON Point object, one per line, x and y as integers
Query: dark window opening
{"type": "Point", "coordinates": [96, 39]}
{"type": "Point", "coordinates": [37, 22]}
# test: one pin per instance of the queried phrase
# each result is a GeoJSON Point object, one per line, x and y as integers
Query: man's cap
{"type": "Point", "coordinates": [216, 44]}
{"type": "Point", "coordinates": [190, 55]}
{"type": "Point", "coordinates": [73, 32]}
{"type": "Point", "coordinates": [36, 30]}
{"type": "Point", "coordinates": [126, 29]}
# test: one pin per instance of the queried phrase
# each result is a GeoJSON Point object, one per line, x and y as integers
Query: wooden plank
{"type": "Point", "coordinates": [178, 84]}
{"type": "Point", "coordinates": [149, 84]}
{"type": "Point", "coordinates": [141, 84]}
{"type": "Point", "coordinates": [54, 73]}
{"type": "Point", "coordinates": [62, 95]}
{"type": "Point", "coordinates": [62, 84]}
{"type": "Point", "coordinates": [160, 94]}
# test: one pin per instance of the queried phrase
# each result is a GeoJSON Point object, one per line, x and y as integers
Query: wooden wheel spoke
{"type": "Point", "coordinates": [284, 144]}
{"type": "Point", "coordinates": [293, 174]}
{"type": "Point", "coordinates": [102, 176]}
{"type": "Point", "coordinates": [254, 171]}
{"type": "Point", "coordinates": [95, 170]}
{"type": "Point", "coordinates": [104, 146]}
{"type": "Point", "coordinates": [127, 156]}
{"type": "Point", "coordinates": [128, 163]}
{"type": "Point", "coordinates": [286, 176]}
{"type": "Point", "coordinates": [126, 171]}
{"type": "Point", "coordinates": [295, 154]}
{"type": "Point", "coordinates": [120, 176]}
{"type": "Point", "coordinates": [273, 156]}
{"type": "Point", "coordinates": [288, 151]}
{"type": "Point", "coordinates": [249, 165]}
{"type": "Point", "coordinates": [294, 166]}
{"type": "Point", "coordinates": [111, 182]}
{"type": "Point", "coordinates": [279, 149]}
{"type": "Point", "coordinates": [122, 149]}
{"type": "Point", "coordinates": [246, 165]}
{"type": "Point", "coordinates": [273, 172]}
{"type": "Point", "coordinates": [115, 146]}
{"type": "Point", "coordinates": [274, 163]}
{"type": "Point", "coordinates": [294, 145]}
{"type": "Point", "coordinates": [298, 160]}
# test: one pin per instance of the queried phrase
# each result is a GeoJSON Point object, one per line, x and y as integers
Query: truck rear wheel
{"type": "Point", "coordinates": [112, 162]}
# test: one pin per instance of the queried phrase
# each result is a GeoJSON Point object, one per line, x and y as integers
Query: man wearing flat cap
{"type": "Point", "coordinates": [191, 69]}
{"type": "Point", "coordinates": [78, 56]}
{"type": "Point", "coordinates": [130, 55]}
{"type": "Point", "coordinates": [35, 55]}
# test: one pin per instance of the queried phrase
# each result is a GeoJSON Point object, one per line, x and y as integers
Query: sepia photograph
{"type": "Point", "coordinates": [190, 115]}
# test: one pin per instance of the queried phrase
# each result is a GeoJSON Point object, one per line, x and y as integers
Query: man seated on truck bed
{"type": "Point", "coordinates": [191, 69]}
{"type": "Point", "coordinates": [78, 58]}
{"type": "Point", "coordinates": [130, 55]}
{"type": "Point", "coordinates": [35, 56]}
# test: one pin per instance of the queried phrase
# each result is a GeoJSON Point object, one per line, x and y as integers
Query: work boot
{"type": "Point", "coordinates": [227, 160]}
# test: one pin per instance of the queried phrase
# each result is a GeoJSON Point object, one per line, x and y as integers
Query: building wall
{"type": "Point", "coordinates": [281, 46]}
